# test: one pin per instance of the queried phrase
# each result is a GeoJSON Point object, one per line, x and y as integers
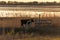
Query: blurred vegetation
{"type": "Point", "coordinates": [46, 30]}
{"type": "Point", "coordinates": [28, 3]}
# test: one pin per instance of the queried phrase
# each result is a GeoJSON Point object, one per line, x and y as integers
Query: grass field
{"type": "Point", "coordinates": [29, 37]}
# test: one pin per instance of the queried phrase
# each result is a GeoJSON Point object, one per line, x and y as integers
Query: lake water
{"type": "Point", "coordinates": [29, 12]}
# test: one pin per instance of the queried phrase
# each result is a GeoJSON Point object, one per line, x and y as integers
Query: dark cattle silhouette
{"type": "Point", "coordinates": [26, 20]}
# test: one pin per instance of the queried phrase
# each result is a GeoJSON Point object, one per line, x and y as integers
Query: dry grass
{"type": "Point", "coordinates": [29, 37]}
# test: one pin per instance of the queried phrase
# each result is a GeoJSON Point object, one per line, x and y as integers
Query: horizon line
{"type": "Point", "coordinates": [31, 1]}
